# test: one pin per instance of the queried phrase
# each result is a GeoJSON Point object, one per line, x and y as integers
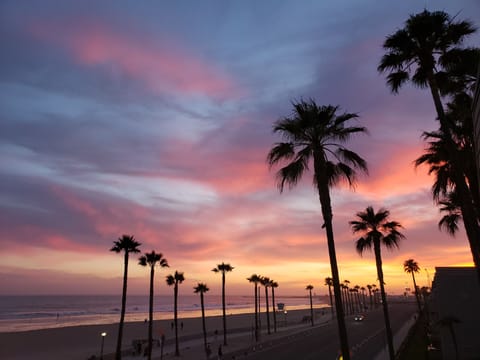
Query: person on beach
{"type": "Point", "coordinates": [220, 352]}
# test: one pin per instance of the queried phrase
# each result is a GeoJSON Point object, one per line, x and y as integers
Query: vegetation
{"type": "Point", "coordinates": [265, 281]}
{"type": "Point", "coordinates": [223, 268]}
{"type": "Point", "coordinates": [428, 52]}
{"type": "Point", "coordinates": [329, 283]}
{"type": "Point", "coordinates": [174, 280]}
{"type": "Point", "coordinates": [310, 288]}
{"type": "Point", "coordinates": [128, 245]}
{"type": "Point", "coordinates": [273, 286]}
{"type": "Point", "coordinates": [151, 259]}
{"type": "Point", "coordinates": [316, 133]}
{"type": "Point", "coordinates": [201, 289]}
{"type": "Point", "coordinates": [255, 279]}
{"type": "Point", "coordinates": [411, 266]}
{"type": "Point", "coordinates": [378, 229]}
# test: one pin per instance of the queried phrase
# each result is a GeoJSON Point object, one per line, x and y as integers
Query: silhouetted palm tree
{"type": "Point", "coordinates": [316, 133]}
{"type": "Point", "coordinates": [265, 281]}
{"type": "Point", "coordinates": [174, 280]}
{"type": "Point", "coordinates": [329, 283]}
{"type": "Point", "coordinates": [151, 259]}
{"type": "Point", "coordinates": [223, 268]}
{"type": "Point", "coordinates": [369, 287]}
{"type": "Point", "coordinates": [201, 289]}
{"type": "Point", "coordinates": [423, 52]}
{"type": "Point", "coordinates": [127, 244]}
{"type": "Point", "coordinates": [410, 266]}
{"type": "Point", "coordinates": [274, 285]}
{"type": "Point", "coordinates": [378, 229]}
{"type": "Point", "coordinates": [255, 279]}
{"type": "Point", "coordinates": [364, 297]}
{"type": "Point", "coordinates": [310, 288]}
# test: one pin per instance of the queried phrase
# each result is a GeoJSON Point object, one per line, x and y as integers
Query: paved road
{"type": "Point", "coordinates": [366, 338]}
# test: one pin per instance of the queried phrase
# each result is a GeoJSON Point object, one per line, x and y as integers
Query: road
{"type": "Point", "coordinates": [366, 338]}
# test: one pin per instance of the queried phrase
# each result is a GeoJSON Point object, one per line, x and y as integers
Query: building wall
{"type": "Point", "coordinates": [456, 297]}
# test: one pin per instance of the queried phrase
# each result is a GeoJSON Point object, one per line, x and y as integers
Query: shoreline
{"type": "Point", "coordinates": [81, 342]}
{"type": "Point", "coordinates": [65, 321]}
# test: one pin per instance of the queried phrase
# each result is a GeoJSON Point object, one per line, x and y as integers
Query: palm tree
{"type": "Point", "coordinates": [329, 283]}
{"type": "Point", "coordinates": [428, 46]}
{"type": "Point", "coordinates": [310, 288]}
{"type": "Point", "coordinates": [378, 229]}
{"type": "Point", "coordinates": [316, 133]}
{"type": "Point", "coordinates": [223, 268]}
{"type": "Point", "coordinates": [274, 285]}
{"type": "Point", "coordinates": [364, 298]}
{"type": "Point", "coordinates": [265, 281]}
{"type": "Point", "coordinates": [370, 287]}
{"type": "Point", "coordinates": [174, 280]}
{"type": "Point", "coordinates": [201, 289]}
{"type": "Point", "coordinates": [151, 259]}
{"type": "Point", "coordinates": [410, 266]}
{"type": "Point", "coordinates": [127, 244]}
{"type": "Point", "coordinates": [255, 279]}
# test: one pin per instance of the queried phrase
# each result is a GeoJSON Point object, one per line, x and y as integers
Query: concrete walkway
{"type": "Point", "coordinates": [398, 338]}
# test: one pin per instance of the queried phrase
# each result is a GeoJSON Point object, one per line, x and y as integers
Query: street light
{"type": "Point", "coordinates": [103, 334]}
{"type": "Point", "coordinates": [285, 313]}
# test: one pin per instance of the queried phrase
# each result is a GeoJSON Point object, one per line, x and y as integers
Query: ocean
{"type": "Point", "coordinates": [23, 313]}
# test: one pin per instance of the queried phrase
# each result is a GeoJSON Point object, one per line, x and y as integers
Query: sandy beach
{"type": "Point", "coordinates": [82, 342]}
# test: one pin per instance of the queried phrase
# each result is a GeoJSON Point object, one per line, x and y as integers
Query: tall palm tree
{"type": "Point", "coordinates": [410, 266]}
{"type": "Point", "coordinates": [223, 268]}
{"type": "Point", "coordinates": [265, 281]}
{"type": "Point", "coordinates": [423, 52]}
{"type": "Point", "coordinates": [316, 133]}
{"type": "Point", "coordinates": [370, 287]}
{"type": "Point", "coordinates": [348, 299]}
{"type": "Point", "coordinates": [151, 259]}
{"type": "Point", "coordinates": [201, 289]}
{"type": "Point", "coordinates": [128, 245]}
{"type": "Point", "coordinates": [310, 288]}
{"type": "Point", "coordinates": [377, 229]}
{"type": "Point", "coordinates": [255, 279]}
{"type": "Point", "coordinates": [329, 283]}
{"type": "Point", "coordinates": [364, 297]}
{"type": "Point", "coordinates": [273, 286]}
{"type": "Point", "coordinates": [174, 280]}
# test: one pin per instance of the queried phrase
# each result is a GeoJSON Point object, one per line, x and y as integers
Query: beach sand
{"type": "Point", "coordinates": [81, 342]}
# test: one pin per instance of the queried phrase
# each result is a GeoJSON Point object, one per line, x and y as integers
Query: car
{"type": "Point", "coordinates": [359, 317]}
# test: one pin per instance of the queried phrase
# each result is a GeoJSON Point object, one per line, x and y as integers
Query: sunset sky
{"type": "Point", "coordinates": [154, 118]}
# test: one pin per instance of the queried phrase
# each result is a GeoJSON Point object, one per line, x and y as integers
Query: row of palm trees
{"type": "Point", "coordinates": [267, 283]}
{"type": "Point", "coordinates": [427, 52]}
{"type": "Point", "coordinates": [128, 245]}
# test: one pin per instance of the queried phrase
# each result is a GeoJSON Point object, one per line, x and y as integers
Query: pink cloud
{"type": "Point", "coordinates": [162, 68]}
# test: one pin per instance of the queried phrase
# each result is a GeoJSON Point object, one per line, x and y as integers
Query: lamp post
{"type": "Point", "coordinates": [103, 334]}
{"type": "Point", "coordinates": [285, 313]}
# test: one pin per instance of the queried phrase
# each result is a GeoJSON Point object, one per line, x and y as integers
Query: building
{"type": "Point", "coordinates": [454, 312]}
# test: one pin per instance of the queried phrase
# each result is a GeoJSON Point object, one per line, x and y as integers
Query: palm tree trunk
{"type": "Point", "coordinates": [203, 322]}
{"type": "Point", "coordinates": [311, 308]}
{"type": "Point", "coordinates": [118, 352]}
{"type": "Point", "coordinates": [150, 314]}
{"type": "Point", "coordinates": [388, 328]}
{"type": "Point", "coordinates": [325, 203]}
{"type": "Point", "coordinates": [175, 314]}
{"type": "Point", "coordinates": [256, 313]}
{"type": "Point", "coordinates": [267, 310]}
{"type": "Point", "coordinates": [331, 300]}
{"type": "Point", "coordinates": [274, 311]}
{"type": "Point", "coordinates": [224, 311]}
{"type": "Point", "coordinates": [417, 295]}
{"type": "Point", "coordinates": [371, 299]}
